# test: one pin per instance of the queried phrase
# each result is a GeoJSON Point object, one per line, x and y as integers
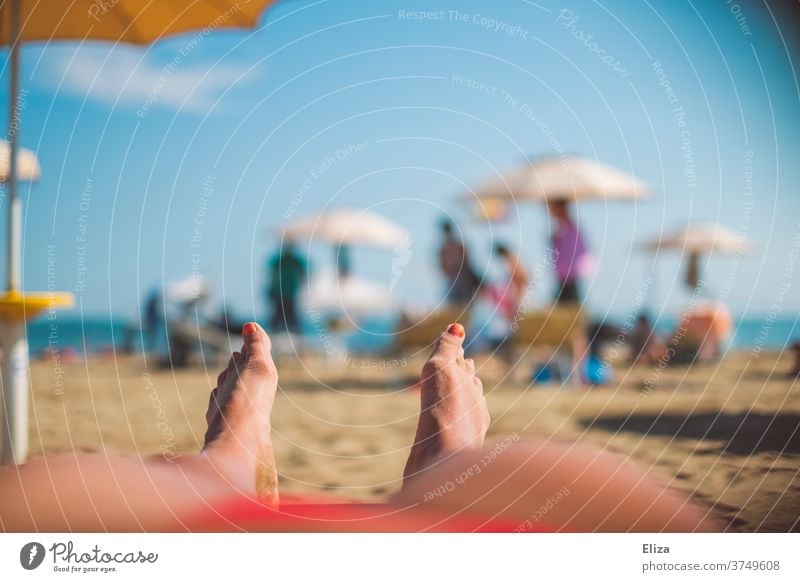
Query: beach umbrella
{"type": "Point", "coordinates": [562, 178]}
{"type": "Point", "coordinates": [345, 227]}
{"type": "Point", "coordinates": [702, 239]}
{"type": "Point", "coordinates": [22, 21]}
{"type": "Point", "coordinates": [28, 169]}
{"type": "Point", "coordinates": [188, 290]}
{"type": "Point", "coordinates": [695, 240]}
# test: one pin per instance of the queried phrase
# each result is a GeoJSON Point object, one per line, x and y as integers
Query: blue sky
{"type": "Point", "coordinates": [141, 148]}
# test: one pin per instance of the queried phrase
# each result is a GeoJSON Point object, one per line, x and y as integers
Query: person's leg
{"type": "Point", "coordinates": [290, 314]}
{"type": "Point", "coordinates": [457, 295]}
{"type": "Point", "coordinates": [556, 485]}
{"type": "Point", "coordinates": [557, 298]}
{"type": "Point", "coordinates": [514, 482]}
{"type": "Point", "coordinates": [278, 321]}
{"type": "Point", "coordinates": [568, 292]}
{"type": "Point", "coordinates": [453, 414]}
{"type": "Point", "coordinates": [447, 470]}
{"type": "Point", "coordinates": [569, 487]}
{"type": "Point", "coordinates": [113, 492]}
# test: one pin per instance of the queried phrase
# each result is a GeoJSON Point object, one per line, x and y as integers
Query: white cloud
{"type": "Point", "coordinates": [136, 78]}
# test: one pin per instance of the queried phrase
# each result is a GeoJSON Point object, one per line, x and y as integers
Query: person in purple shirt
{"type": "Point", "coordinates": [572, 260]}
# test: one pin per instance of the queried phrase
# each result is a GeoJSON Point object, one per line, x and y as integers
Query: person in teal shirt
{"type": "Point", "coordinates": [287, 273]}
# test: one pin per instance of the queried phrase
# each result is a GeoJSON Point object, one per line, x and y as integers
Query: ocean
{"type": "Point", "coordinates": [103, 335]}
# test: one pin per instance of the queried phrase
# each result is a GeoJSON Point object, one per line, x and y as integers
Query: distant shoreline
{"type": "Point", "coordinates": [104, 335]}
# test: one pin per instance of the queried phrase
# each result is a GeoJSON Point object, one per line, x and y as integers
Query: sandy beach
{"type": "Point", "coordinates": [727, 433]}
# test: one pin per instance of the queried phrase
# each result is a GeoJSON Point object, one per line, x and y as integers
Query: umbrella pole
{"type": "Point", "coordinates": [15, 392]}
{"type": "Point", "coordinates": [14, 203]}
{"type": "Point", "coordinates": [14, 374]}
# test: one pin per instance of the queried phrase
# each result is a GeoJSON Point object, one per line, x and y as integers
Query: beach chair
{"type": "Point", "coordinates": [186, 338]}
{"type": "Point", "coordinates": [557, 329]}
{"type": "Point", "coordinates": [418, 334]}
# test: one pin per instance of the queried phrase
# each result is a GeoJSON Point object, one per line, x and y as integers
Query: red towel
{"type": "Point", "coordinates": [309, 514]}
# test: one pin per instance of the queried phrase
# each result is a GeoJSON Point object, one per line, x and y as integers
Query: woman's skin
{"type": "Point", "coordinates": [449, 472]}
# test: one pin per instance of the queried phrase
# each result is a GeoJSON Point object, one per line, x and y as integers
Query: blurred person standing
{"type": "Point", "coordinates": [508, 300]}
{"type": "Point", "coordinates": [153, 320]}
{"type": "Point", "coordinates": [572, 259]}
{"type": "Point", "coordinates": [463, 283]}
{"type": "Point", "coordinates": [511, 296]}
{"type": "Point", "coordinates": [287, 272]}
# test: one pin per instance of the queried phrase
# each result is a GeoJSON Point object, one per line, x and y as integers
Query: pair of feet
{"type": "Point", "coordinates": [453, 415]}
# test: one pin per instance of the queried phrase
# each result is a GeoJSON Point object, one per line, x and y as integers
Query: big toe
{"type": "Point", "coordinates": [257, 347]}
{"type": "Point", "coordinates": [450, 344]}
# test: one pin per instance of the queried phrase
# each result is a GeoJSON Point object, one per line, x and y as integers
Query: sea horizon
{"type": "Point", "coordinates": [101, 334]}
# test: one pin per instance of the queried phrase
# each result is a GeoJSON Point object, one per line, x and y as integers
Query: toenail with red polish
{"type": "Point", "coordinates": [456, 329]}
{"type": "Point", "coordinates": [249, 329]}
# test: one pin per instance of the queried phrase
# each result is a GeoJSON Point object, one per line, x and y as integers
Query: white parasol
{"type": "Point", "coordinates": [567, 178]}
{"type": "Point", "coordinates": [345, 227]}
{"type": "Point", "coordinates": [28, 169]}
{"type": "Point", "coordinates": [703, 238]}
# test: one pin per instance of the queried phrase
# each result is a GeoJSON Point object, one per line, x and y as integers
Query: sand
{"type": "Point", "coordinates": [727, 433]}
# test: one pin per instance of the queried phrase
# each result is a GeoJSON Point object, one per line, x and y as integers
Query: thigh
{"type": "Point", "coordinates": [565, 486]}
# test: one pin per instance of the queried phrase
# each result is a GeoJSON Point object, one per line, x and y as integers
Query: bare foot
{"type": "Point", "coordinates": [454, 416]}
{"type": "Point", "coordinates": [238, 440]}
